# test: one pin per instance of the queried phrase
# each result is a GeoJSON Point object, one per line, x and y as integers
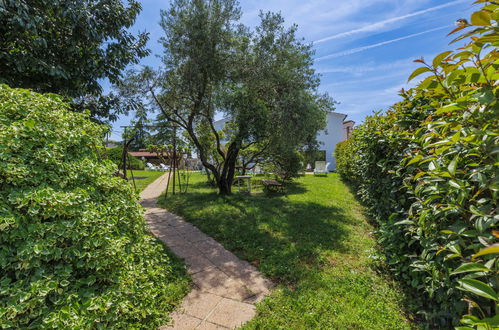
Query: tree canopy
{"type": "Point", "coordinates": [68, 47]}
{"type": "Point", "coordinates": [261, 81]}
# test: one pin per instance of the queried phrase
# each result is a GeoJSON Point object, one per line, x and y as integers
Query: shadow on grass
{"type": "Point", "coordinates": [413, 301]}
{"type": "Point", "coordinates": [283, 238]}
{"type": "Point", "coordinates": [290, 188]}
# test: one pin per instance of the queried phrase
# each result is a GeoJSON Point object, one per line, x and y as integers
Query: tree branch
{"type": "Point", "coordinates": [262, 150]}
{"type": "Point", "coordinates": [180, 122]}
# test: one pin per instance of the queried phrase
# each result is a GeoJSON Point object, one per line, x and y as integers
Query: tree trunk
{"type": "Point", "coordinates": [225, 177]}
{"type": "Point", "coordinates": [224, 188]}
{"type": "Point", "coordinates": [229, 168]}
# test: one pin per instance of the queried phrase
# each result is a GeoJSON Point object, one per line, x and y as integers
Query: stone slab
{"type": "Point", "coordinates": [231, 314]}
{"type": "Point", "coordinates": [183, 322]}
{"type": "Point", "coordinates": [226, 287]}
{"type": "Point", "coordinates": [200, 304]}
{"type": "Point", "coordinates": [198, 263]}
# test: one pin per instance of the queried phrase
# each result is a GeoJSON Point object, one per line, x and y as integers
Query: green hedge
{"type": "Point", "coordinates": [74, 249]}
{"type": "Point", "coordinates": [116, 156]}
{"type": "Point", "coordinates": [427, 172]}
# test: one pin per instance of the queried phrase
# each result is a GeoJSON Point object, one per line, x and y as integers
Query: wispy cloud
{"type": "Point", "coordinates": [381, 24]}
{"type": "Point", "coordinates": [361, 49]}
{"type": "Point", "coordinates": [368, 66]}
{"type": "Point", "coordinates": [366, 101]}
{"type": "Point", "coordinates": [366, 80]}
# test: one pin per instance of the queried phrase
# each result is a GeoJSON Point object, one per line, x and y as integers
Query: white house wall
{"type": "Point", "coordinates": [332, 135]}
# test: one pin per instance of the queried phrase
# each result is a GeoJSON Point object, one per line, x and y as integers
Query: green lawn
{"type": "Point", "coordinates": [150, 176]}
{"type": "Point", "coordinates": [313, 242]}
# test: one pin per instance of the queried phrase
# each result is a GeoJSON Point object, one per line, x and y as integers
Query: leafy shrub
{"type": "Point", "coordinates": [116, 156]}
{"type": "Point", "coordinates": [427, 172]}
{"type": "Point", "coordinates": [343, 154]}
{"type": "Point", "coordinates": [74, 250]}
{"type": "Point", "coordinates": [285, 165]}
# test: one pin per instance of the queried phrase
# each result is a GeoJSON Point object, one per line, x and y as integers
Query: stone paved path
{"type": "Point", "coordinates": [225, 287]}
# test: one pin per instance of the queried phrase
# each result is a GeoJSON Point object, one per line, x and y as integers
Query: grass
{"type": "Point", "coordinates": [149, 177]}
{"type": "Point", "coordinates": [313, 242]}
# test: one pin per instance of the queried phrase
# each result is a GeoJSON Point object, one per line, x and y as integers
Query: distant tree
{"type": "Point", "coordinates": [163, 133]}
{"type": "Point", "coordinates": [67, 47]}
{"type": "Point", "coordinates": [262, 82]}
{"type": "Point", "coordinates": [140, 130]}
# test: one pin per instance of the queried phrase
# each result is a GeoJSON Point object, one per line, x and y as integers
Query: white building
{"type": "Point", "coordinates": [337, 130]}
{"type": "Point", "coordinates": [334, 133]}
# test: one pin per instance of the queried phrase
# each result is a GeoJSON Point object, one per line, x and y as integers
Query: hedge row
{"type": "Point", "coordinates": [74, 249]}
{"type": "Point", "coordinates": [116, 156]}
{"type": "Point", "coordinates": [427, 172]}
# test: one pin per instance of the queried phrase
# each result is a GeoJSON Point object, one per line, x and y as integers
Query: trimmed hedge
{"type": "Point", "coordinates": [116, 156]}
{"type": "Point", "coordinates": [74, 248]}
{"type": "Point", "coordinates": [427, 172]}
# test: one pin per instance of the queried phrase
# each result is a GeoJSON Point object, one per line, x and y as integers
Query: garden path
{"type": "Point", "coordinates": [225, 287]}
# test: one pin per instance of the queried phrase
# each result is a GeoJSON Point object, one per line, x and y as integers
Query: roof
{"type": "Point", "coordinates": [142, 154]}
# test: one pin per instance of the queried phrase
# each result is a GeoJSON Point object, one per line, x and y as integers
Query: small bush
{"type": "Point", "coordinates": [343, 154]}
{"type": "Point", "coordinates": [116, 156]}
{"type": "Point", "coordinates": [285, 165]}
{"type": "Point", "coordinates": [74, 249]}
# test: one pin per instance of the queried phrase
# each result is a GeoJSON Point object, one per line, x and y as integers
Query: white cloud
{"type": "Point", "coordinates": [363, 81]}
{"type": "Point", "coordinates": [381, 24]}
{"type": "Point", "coordinates": [361, 49]}
{"type": "Point", "coordinates": [369, 66]}
{"type": "Point", "coordinates": [314, 17]}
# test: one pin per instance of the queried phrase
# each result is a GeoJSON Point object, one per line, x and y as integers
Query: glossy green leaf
{"type": "Point", "coordinates": [440, 57]}
{"type": "Point", "coordinates": [449, 108]}
{"type": "Point", "coordinates": [415, 159]}
{"type": "Point", "coordinates": [493, 249]}
{"type": "Point", "coordinates": [452, 165]}
{"type": "Point", "coordinates": [418, 72]}
{"type": "Point", "coordinates": [470, 267]}
{"type": "Point", "coordinates": [480, 18]}
{"type": "Point", "coordinates": [479, 288]}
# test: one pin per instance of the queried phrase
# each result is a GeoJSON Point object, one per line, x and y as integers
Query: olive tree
{"type": "Point", "coordinates": [261, 81]}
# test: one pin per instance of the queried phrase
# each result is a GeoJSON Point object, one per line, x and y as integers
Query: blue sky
{"type": "Point", "coordinates": [364, 48]}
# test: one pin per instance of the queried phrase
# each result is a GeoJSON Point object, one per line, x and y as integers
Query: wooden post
{"type": "Point", "coordinates": [178, 176]}
{"type": "Point", "coordinates": [125, 147]}
{"type": "Point", "coordinates": [174, 155]}
{"type": "Point", "coordinates": [131, 172]}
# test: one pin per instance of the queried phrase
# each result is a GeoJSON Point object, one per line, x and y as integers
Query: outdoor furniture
{"type": "Point", "coordinates": [257, 170]}
{"type": "Point", "coordinates": [271, 185]}
{"type": "Point", "coordinates": [321, 168]}
{"type": "Point", "coordinates": [242, 178]}
{"type": "Point", "coordinates": [164, 167]}
{"type": "Point", "coordinates": [151, 167]}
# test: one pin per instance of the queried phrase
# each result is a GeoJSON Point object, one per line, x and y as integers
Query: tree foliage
{"type": "Point", "coordinates": [68, 47]}
{"type": "Point", "coordinates": [116, 156]}
{"type": "Point", "coordinates": [427, 171]}
{"type": "Point", "coordinates": [74, 248]}
{"type": "Point", "coordinates": [261, 81]}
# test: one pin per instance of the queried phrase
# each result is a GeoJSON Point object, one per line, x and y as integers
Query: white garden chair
{"type": "Point", "coordinates": [321, 168]}
{"type": "Point", "coordinates": [151, 167]}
